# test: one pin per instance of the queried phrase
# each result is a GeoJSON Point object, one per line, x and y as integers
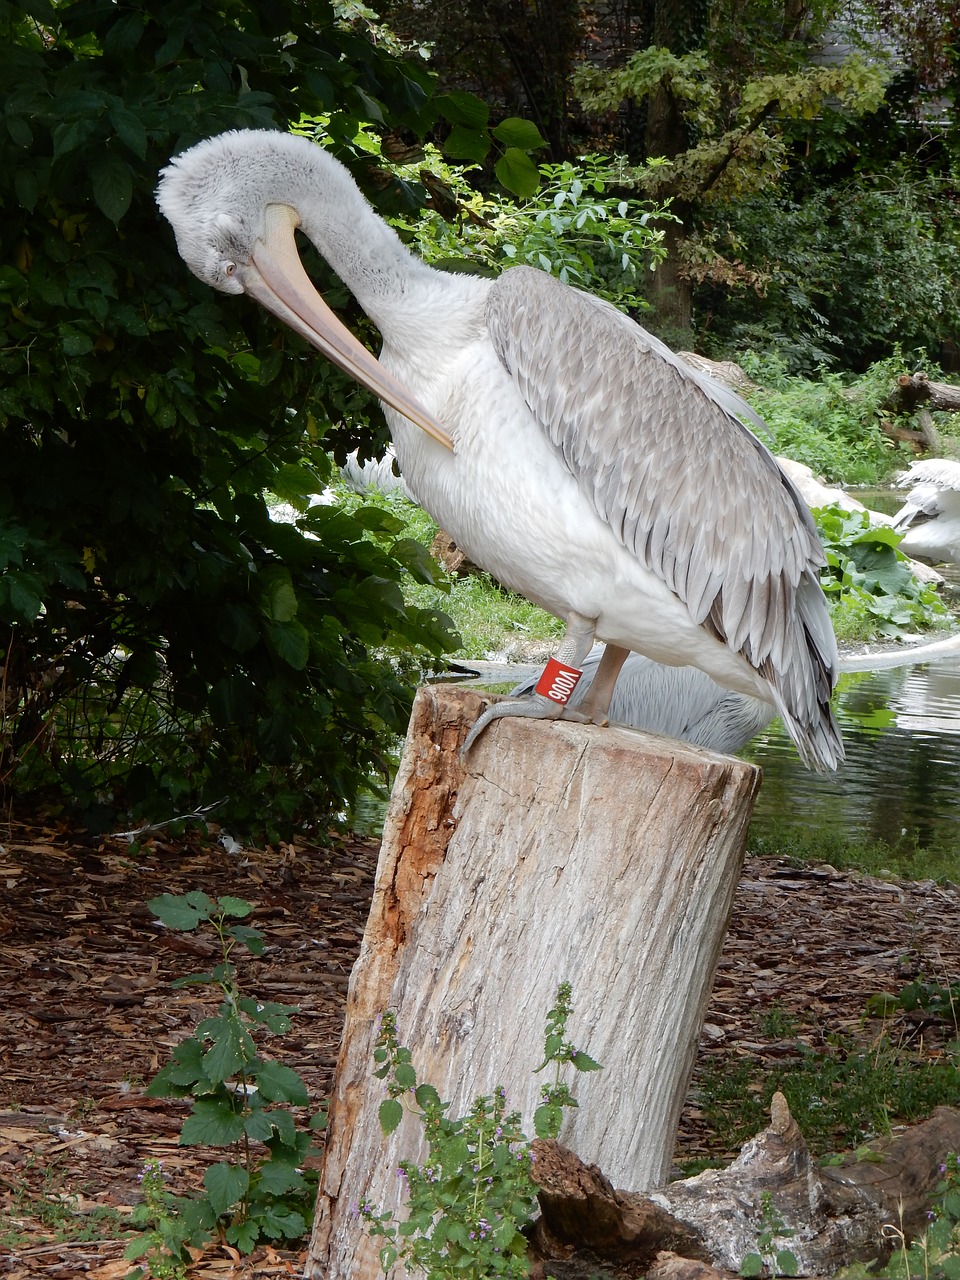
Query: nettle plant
{"type": "Point", "coordinates": [241, 1100]}
{"type": "Point", "coordinates": [470, 1199]}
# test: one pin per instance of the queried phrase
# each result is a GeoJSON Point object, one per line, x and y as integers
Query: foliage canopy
{"type": "Point", "coordinates": [153, 615]}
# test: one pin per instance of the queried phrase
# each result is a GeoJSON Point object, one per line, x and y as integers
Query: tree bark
{"type": "Point", "coordinates": [603, 857]}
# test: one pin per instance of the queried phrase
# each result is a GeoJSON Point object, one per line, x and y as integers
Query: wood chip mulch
{"type": "Point", "coordinates": [87, 1015]}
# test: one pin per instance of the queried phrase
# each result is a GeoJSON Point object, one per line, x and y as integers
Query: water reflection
{"type": "Point", "coordinates": [901, 778]}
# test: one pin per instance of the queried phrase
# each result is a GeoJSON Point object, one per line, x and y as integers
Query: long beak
{"type": "Point", "coordinates": [279, 283]}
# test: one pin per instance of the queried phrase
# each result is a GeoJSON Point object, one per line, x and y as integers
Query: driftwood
{"type": "Point", "coordinates": [836, 1214]}
{"type": "Point", "coordinates": [561, 852]}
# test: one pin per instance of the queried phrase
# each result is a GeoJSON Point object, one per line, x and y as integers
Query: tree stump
{"type": "Point", "coordinates": [561, 852]}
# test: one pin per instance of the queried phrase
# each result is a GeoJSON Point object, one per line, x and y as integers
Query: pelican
{"type": "Point", "coordinates": [931, 513]}
{"type": "Point", "coordinates": [677, 702]}
{"type": "Point", "coordinates": [638, 507]}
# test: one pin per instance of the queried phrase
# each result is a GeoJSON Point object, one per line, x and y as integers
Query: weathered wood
{"type": "Point", "coordinates": [835, 1216]}
{"type": "Point", "coordinates": [581, 1214]}
{"type": "Point", "coordinates": [563, 852]}
{"type": "Point", "coordinates": [914, 389]}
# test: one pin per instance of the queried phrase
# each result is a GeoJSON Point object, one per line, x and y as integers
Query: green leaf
{"type": "Point", "coordinates": [583, 1062]}
{"type": "Point", "coordinates": [244, 1235]}
{"type": "Point", "coordinates": [251, 938]}
{"type": "Point", "coordinates": [426, 1096]}
{"type": "Point", "coordinates": [516, 132]}
{"type": "Point", "coordinates": [517, 172]}
{"type": "Point", "coordinates": [390, 1114]}
{"type": "Point", "coordinates": [225, 1184]}
{"type": "Point", "coordinates": [280, 598]}
{"type": "Point", "coordinates": [285, 1129]}
{"type": "Point", "coordinates": [277, 1179]}
{"type": "Point", "coordinates": [752, 1265]}
{"type": "Point", "coordinates": [405, 1075]}
{"type": "Point", "coordinates": [547, 1120]}
{"type": "Point", "coordinates": [179, 912]}
{"type": "Point", "coordinates": [213, 1123]}
{"type": "Point", "coordinates": [286, 1225]}
{"type": "Point", "coordinates": [258, 1126]}
{"type": "Point", "coordinates": [279, 1083]}
{"type": "Point", "coordinates": [787, 1264]}
{"type": "Point", "coordinates": [178, 1076]}
{"type": "Point", "coordinates": [462, 108]}
{"type": "Point", "coordinates": [112, 185]}
{"type": "Point", "coordinates": [291, 641]}
{"type": "Point", "coordinates": [463, 143]}
{"type": "Point", "coordinates": [237, 627]}
{"type": "Point", "coordinates": [234, 906]}
{"type": "Point", "coordinates": [232, 1048]}
{"type": "Point", "coordinates": [130, 130]}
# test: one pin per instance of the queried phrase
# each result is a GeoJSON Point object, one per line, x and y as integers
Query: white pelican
{"type": "Point", "coordinates": [931, 513]}
{"type": "Point", "coordinates": [677, 702]}
{"type": "Point", "coordinates": [591, 470]}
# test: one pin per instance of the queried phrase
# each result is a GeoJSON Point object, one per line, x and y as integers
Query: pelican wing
{"type": "Point", "coordinates": [667, 462]}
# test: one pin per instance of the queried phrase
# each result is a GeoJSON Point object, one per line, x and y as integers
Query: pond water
{"type": "Point", "coordinates": [901, 779]}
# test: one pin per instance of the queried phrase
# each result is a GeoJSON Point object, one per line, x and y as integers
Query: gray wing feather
{"type": "Point", "coordinates": [665, 457]}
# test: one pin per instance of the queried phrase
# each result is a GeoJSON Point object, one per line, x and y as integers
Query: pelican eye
{"type": "Point", "coordinates": [229, 268]}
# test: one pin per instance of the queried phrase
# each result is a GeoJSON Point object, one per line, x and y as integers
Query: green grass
{"type": "Point", "coordinates": [840, 1096]}
{"type": "Point", "coordinates": [905, 860]}
{"type": "Point", "coordinates": [48, 1211]}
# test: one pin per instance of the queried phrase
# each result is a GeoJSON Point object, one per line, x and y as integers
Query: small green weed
{"type": "Point", "coordinates": [470, 1199]}
{"type": "Point", "coordinates": [770, 1260]}
{"type": "Point", "coordinates": [54, 1208]}
{"type": "Point", "coordinates": [935, 1253]}
{"type": "Point", "coordinates": [234, 1089]}
{"type": "Point", "coordinates": [936, 1001]}
{"type": "Point", "coordinates": [777, 1022]}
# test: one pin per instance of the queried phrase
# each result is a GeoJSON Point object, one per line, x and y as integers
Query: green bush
{"type": "Point", "coordinates": [831, 424]}
{"type": "Point", "coordinates": [839, 275]}
{"type": "Point", "coordinates": [163, 642]}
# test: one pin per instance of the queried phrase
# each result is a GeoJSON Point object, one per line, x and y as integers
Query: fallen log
{"type": "Point", "coordinates": [914, 393]}
{"type": "Point", "coordinates": [561, 852]}
{"type": "Point", "coordinates": [828, 1217]}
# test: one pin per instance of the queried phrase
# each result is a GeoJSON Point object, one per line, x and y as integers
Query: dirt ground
{"type": "Point", "coordinates": [87, 1014]}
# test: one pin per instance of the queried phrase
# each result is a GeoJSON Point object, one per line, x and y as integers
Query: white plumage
{"type": "Point", "coordinates": [591, 470]}
{"type": "Point", "coordinates": [931, 513]}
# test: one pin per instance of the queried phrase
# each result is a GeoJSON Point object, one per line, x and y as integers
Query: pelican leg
{"type": "Point", "coordinates": [574, 647]}
{"type": "Point", "coordinates": [595, 703]}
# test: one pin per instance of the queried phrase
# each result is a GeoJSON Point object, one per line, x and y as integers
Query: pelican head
{"type": "Point", "coordinates": [235, 231]}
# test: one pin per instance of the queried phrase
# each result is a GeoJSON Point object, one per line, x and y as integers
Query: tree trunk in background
{"type": "Point", "coordinates": [563, 852]}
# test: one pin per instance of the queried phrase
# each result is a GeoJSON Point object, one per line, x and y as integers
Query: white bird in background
{"type": "Point", "coordinates": [931, 513]}
{"type": "Point", "coordinates": [564, 449]}
{"type": "Point", "coordinates": [677, 702]}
